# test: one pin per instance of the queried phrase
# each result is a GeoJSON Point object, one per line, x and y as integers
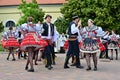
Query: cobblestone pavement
{"type": "Point", "coordinates": [14, 70]}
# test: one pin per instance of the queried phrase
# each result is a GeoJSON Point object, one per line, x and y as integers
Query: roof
{"type": "Point", "coordinates": [17, 2]}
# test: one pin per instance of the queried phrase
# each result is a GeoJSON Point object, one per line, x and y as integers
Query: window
{"type": "Point", "coordinates": [10, 23]}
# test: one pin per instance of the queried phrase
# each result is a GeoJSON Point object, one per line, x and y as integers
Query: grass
{"type": "Point", "coordinates": [1, 48]}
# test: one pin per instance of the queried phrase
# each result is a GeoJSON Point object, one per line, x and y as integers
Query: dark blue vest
{"type": "Point", "coordinates": [69, 29]}
{"type": "Point", "coordinates": [45, 27]}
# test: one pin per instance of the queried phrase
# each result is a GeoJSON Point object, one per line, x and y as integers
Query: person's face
{"type": "Point", "coordinates": [113, 32]}
{"type": "Point", "coordinates": [89, 23]}
{"type": "Point", "coordinates": [62, 34]}
{"type": "Point", "coordinates": [76, 21]}
{"type": "Point", "coordinates": [48, 19]}
{"type": "Point", "coordinates": [39, 22]}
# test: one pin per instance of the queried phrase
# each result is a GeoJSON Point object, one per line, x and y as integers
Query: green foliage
{"type": "Point", "coordinates": [61, 24]}
{"type": "Point", "coordinates": [30, 9]}
{"type": "Point", "coordinates": [105, 13]}
{"type": "Point", "coordinates": [1, 27]}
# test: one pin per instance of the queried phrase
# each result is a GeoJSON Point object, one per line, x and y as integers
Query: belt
{"type": "Point", "coordinates": [72, 36]}
{"type": "Point", "coordinates": [72, 39]}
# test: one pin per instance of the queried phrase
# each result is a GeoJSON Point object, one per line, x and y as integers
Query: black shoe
{"type": "Point", "coordinates": [50, 67]}
{"type": "Point", "coordinates": [108, 58]}
{"type": "Point", "coordinates": [73, 64]}
{"type": "Point", "coordinates": [26, 68]}
{"type": "Point", "coordinates": [22, 56]}
{"type": "Point", "coordinates": [25, 58]}
{"type": "Point", "coordinates": [31, 70]}
{"type": "Point", "coordinates": [66, 67]}
{"type": "Point", "coordinates": [36, 63]}
{"type": "Point", "coordinates": [88, 69]}
{"type": "Point", "coordinates": [46, 66]}
{"type": "Point", "coordinates": [13, 59]}
{"type": "Point", "coordinates": [39, 60]}
{"type": "Point", "coordinates": [53, 63]}
{"type": "Point", "coordinates": [7, 58]}
{"type": "Point", "coordinates": [81, 67]}
{"type": "Point", "coordinates": [95, 69]}
{"type": "Point", "coordinates": [111, 58]}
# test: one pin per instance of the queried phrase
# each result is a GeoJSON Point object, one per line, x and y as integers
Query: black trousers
{"type": "Point", "coordinates": [73, 49]}
{"type": "Point", "coordinates": [48, 54]}
{"type": "Point", "coordinates": [62, 50]}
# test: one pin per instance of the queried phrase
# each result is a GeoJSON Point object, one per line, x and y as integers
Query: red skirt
{"type": "Point", "coordinates": [66, 45]}
{"type": "Point", "coordinates": [30, 40]}
{"type": "Point", "coordinates": [119, 45]}
{"type": "Point", "coordinates": [101, 46]}
{"type": "Point", "coordinates": [42, 43]}
{"type": "Point", "coordinates": [11, 42]}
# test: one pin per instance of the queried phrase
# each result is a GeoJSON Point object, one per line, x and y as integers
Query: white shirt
{"type": "Point", "coordinates": [54, 37]}
{"type": "Point", "coordinates": [62, 40]}
{"type": "Point", "coordinates": [74, 30]}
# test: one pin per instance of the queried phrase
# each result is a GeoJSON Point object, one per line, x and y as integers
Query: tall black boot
{"type": "Point", "coordinates": [66, 63]}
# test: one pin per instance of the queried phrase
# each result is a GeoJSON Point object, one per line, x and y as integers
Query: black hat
{"type": "Point", "coordinates": [75, 17]}
{"type": "Point", "coordinates": [48, 16]}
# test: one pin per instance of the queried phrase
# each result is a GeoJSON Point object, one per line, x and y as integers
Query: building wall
{"type": "Point", "coordinates": [11, 13]}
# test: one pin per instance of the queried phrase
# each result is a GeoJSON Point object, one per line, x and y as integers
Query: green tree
{"type": "Point", "coordinates": [30, 9]}
{"type": "Point", "coordinates": [61, 24]}
{"type": "Point", "coordinates": [105, 13]}
{"type": "Point", "coordinates": [1, 27]}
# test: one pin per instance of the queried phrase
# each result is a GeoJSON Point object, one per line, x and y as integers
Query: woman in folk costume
{"type": "Point", "coordinates": [30, 43]}
{"type": "Point", "coordinates": [39, 30]}
{"type": "Point", "coordinates": [19, 37]}
{"type": "Point", "coordinates": [113, 44]}
{"type": "Point", "coordinates": [90, 44]}
{"type": "Point", "coordinates": [11, 42]}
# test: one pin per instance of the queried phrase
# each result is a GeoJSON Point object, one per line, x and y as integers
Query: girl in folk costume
{"type": "Point", "coordinates": [113, 44]}
{"type": "Point", "coordinates": [90, 44]}
{"type": "Point", "coordinates": [10, 43]}
{"type": "Point", "coordinates": [39, 28]}
{"type": "Point", "coordinates": [19, 39]}
{"type": "Point", "coordinates": [31, 42]}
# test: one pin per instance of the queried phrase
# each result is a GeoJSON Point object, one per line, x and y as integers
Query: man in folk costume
{"type": "Point", "coordinates": [73, 42]}
{"type": "Point", "coordinates": [50, 35]}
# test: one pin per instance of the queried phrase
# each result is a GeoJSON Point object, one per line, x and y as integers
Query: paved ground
{"type": "Point", "coordinates": [14, 70]}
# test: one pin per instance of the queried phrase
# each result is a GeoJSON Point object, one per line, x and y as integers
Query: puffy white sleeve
{"type": "Point", "coordinates": [56, 35]}
{"type": "Point", "coordinates": [74, 29]}
{"type": "Point", "coordinates": [24, 26]}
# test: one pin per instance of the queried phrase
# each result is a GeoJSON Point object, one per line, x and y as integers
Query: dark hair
{"type": "Point", "coordinates": [30, 19]}
{"type": "Point", "coordinates": [10, 28]}
{"type": "Point", "coordinates": [48, 16]}
{"type": "Point", "coordinates": [19, 34]}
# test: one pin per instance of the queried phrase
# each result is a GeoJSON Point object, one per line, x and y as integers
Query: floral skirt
{"type": "Point", "coordinates": [113, 45]}
{"type": "Point", "coordinates": [90, 46]}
